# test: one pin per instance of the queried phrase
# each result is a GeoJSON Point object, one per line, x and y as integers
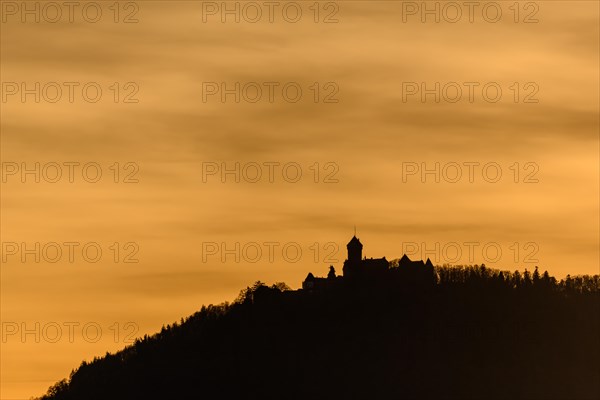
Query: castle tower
{"type": "Point", "coordinates": [354, 247]}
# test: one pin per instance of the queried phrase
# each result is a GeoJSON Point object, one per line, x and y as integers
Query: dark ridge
{"type": "Point", "coordinates": [399, 330]}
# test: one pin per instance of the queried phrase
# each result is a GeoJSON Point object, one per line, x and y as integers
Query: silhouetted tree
{"type": "Point", "coordinates": [517, 281]}
{"type": "Point", "coordinates": [526, 279]}
{"type": "Point", "coordinates": [536, 276]}
{"type": "Point", "coordinates": [331, 274]}
{"type": "Point", "coordinates": [281, 286]}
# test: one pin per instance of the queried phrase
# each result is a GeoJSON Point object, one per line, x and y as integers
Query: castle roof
{"type": "Point", "coordinates": [354, 242]}
{"type": "Point", "coordinates": [405, 261]}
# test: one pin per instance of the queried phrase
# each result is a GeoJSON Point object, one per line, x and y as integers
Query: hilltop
{"type": "Point", "coordinates": [406, 331]}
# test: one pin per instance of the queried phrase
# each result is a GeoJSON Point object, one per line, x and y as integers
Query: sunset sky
{"type": "Point", "coordinates": [361, 148]}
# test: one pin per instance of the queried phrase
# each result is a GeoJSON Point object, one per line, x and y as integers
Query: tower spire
{"type": "Point", "coordinates": [354, 230]}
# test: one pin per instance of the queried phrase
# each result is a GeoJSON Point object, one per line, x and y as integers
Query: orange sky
{"type": "Point", "coordinates": [365, 135]}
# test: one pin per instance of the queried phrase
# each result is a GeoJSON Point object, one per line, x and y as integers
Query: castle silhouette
{"type": "Point", "coordinates": [358, 268]}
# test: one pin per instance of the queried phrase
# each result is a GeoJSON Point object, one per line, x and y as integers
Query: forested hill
{"type": "Point", "coordinates": [463, 333]}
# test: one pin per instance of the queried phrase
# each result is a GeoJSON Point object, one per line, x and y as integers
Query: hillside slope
{"type": "Point", "coordinates": [470, 333]}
